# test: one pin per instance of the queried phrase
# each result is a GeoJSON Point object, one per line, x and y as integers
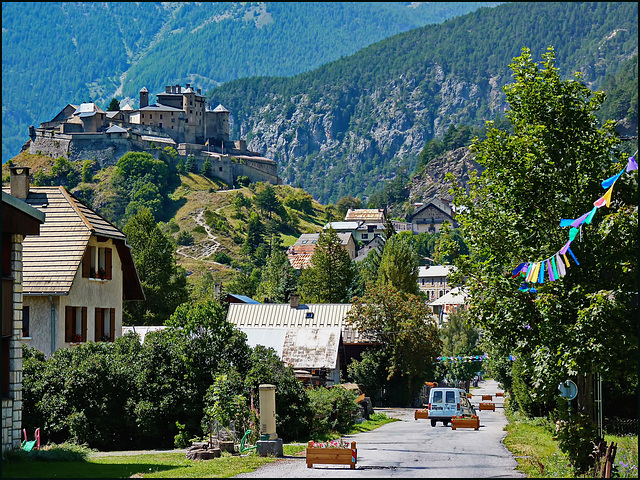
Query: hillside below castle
{"type": "Point", "coordinates": [180, 118]}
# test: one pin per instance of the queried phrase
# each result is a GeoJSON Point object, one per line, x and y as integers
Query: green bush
{"type": "Point", "coordinates": [576, 438]}
{"type": "Point", "coordinates": [334, 410]}
{"type": "Point", "coordinates": [199, 229]}
{"type": "Point", "coordinates": [185, 238]}
{"type": "Point", "coordinates": [222, 257]}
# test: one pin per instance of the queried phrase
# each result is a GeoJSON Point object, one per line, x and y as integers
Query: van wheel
{"type": "Point", "coordinates": [445, 422]}
{"type": "Point", "coordinates": [433, 422]}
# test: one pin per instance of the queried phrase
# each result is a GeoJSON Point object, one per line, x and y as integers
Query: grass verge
{"type": "Point", "coordinates": [72, 461]}
{"type": "Point", "coordinates": [376, 420]}
{"type": "Point", "coordinates": [538, 455]}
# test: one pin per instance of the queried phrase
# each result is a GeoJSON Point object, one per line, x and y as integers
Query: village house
{"type": "Point", "coordinates": [433, 281]}
{"type": "Point", "coordinates": [453, 301]}
{"type": "Point", "coordinates": [431, 215]}
{"type": "Point", "coordinates": [328, 317]}
{"type": "Point", "coordinates": [76, 273]}
{"type": "Point", "coordinates": [300, 253]}
{"type": "Point", "coordinates": [19, 221]}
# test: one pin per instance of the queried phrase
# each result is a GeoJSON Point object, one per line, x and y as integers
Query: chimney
{"type": "Point", "coordinates": [294, 298]}
{"type": "Point", "coordinates": [167, 89]}
{"type": "Point", "coordinates": [199, 91]}
{"type": "Point", "coordinates": [188, 85]}
{"type": "Point", "coordinates": [173, 89]}
{"type": "Point", "coordinates": [19, 182]}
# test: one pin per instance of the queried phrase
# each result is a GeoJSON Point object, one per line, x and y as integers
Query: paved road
{"type": "Point", "coordinates": [412, 449]}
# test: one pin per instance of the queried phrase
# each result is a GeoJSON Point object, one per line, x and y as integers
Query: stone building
{"type": "Point", "coordinates": [180, 118]}
{"type": "Point", "coordinates": [19, 221]}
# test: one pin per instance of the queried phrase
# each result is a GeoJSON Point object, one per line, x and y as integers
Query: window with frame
{"type": "Point", "coordinates": [105, 324]}
{"type": "Point", "coordinates": [97, 263]}
{"type": "Point", "coordinates": [365, 236]}
{"type": "Point", "coordinates": [75, 324]}
{"type": "Point", "coordinates": [25, 322]}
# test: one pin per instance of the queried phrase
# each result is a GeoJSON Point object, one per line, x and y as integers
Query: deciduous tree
{"type": "Point", "coordinates": [551, 167]}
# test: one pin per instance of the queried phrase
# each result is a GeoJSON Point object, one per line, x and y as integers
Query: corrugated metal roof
{"type": "Point", "coordinates": [366, 214]}
{"type": "Point", "coordinates": [434, 271]}
{"type": "Point", "coordinates": [281, 315]}
{"type": "Point", "coordinates": [454, 297]}
{"type": "Point", "coordinates": [243, 298]}
{"type": "Point", "coordinates": [342, 225]}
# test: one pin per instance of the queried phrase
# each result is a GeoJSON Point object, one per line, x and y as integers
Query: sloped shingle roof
{"type": "Point", "coordinates": [51, 259]}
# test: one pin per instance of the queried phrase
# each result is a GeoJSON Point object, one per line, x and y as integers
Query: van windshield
{"type": "Point", "coordinates": [437, 397]}
{"type": "Point", "coordinates": [451, 397]}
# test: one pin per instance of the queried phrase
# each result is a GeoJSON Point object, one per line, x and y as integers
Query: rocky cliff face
{"type": "Point", "coordinates": [348, 141]}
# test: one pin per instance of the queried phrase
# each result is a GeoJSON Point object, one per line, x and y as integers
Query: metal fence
{"type": "Point", "coordinates": [621, 426]}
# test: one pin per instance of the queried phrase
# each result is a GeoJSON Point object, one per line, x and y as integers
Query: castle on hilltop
{"type": "Point", "coordinates": [179, 118]}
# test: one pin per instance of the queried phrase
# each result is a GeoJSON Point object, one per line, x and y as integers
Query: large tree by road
{"type": "Point", "coordinates": [551, 168]}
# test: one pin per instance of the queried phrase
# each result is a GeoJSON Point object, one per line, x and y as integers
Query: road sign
{"type": "Point", "coordinates": [568, 389]}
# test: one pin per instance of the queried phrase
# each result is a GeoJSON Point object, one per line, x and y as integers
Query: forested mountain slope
{"type": "Point", "coordinates": [59, 53]}
{"type": "Point", "coordinates": [346, 126]}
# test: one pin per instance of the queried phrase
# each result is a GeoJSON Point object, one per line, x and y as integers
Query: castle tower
{"type": "Point", "coordinates": [144, 97]}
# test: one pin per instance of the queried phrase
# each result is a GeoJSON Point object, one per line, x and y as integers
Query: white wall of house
{"type": "Point", "coordinates": [85, 292]}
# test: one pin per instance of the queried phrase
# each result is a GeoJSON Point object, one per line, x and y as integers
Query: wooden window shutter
{"type": "Point", "coordinates": [99, 324]}
{"type": "Point", "coordinates": [112, 333]}
{"type": "Point", "coordinates": [107, 262]}
{"type": "Point", "coordinates": [84, 324]}
{"type": "Point", "coordinates": [68, 323]}
{"type": "Point", "coordinates": [86, 263]}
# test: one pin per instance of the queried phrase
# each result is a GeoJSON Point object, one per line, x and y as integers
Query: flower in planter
{"type": "Point", "coordinates": [102, 275]}
{"type": "Point", "coordinates": [76, 338]}
{"type": "Point", "coordinates": [106, 337]}
{"type": "Point", "coordinates": [340, 443]}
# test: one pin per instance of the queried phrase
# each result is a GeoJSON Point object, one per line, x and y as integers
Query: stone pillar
{"type": "Point", "coordinates": [12, 406]}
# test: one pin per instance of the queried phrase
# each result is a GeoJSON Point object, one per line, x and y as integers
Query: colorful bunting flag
{"type": "Point", "coordinates": [556, 264]}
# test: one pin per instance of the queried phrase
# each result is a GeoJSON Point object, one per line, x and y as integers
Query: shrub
{"type": "Point", "coordinates": [334, 410]}
{"type": "Point", "coordinates": [185, 238]}
{"type": "Point", "coordinates": [199, 229]}
{"type": "Point", "coordinates": [575, 438]}
{"type": "Point", "coordinates": [222, 257]}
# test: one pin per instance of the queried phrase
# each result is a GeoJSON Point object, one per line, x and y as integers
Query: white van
{"type": "Point", "coordinates": [447, 402]}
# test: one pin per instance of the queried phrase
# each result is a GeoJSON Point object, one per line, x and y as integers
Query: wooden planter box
{"type": "Point", "coordinates": [500, 394]}
{"type": "Point", "coordinates": [488, 406]}
{"type": "Point", "coordinates": [465, 423]}
{"type": "Point", "coordinates": [339, 456]}
{"type": "Point", "coordinates": [419, 414]}
{"type": "Point", "coordinates": [487, 397]}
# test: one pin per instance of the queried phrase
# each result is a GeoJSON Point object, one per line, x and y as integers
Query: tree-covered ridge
{"type": "Point", "coordinates": [58, 53]}
{"type": "Point", "coordinates": [345, 126]}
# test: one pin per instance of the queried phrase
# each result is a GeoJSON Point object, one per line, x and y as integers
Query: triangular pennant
{"type": "Point", "coordinates": [552, 277]}
{"type": "Point", "coordinates": [565, 222]}
{"type": "Point", "coordinates": [560, 265]}
{"type": "Point", "coordinates": [605, 199]}
{"type": "Point", "coordinates": [563, 250]}
{"type": "Point", "coordinates": [517, 270]}
{"type": "Point", "coordinates": [611, 180]}
{"type": "Point", "coordinates": [632, 165]}
{"type": "Point", "coordinates": [574, 257]}
{"type": "Point", "coordinates": [591, 214]}
{"type": "Point", "coordinates": [572, 233]}
{"type": "Point", "coordinates": [541, 276]}
{"type": "Point", "coordinates": [580, 220]}
{"type": "Point", "coordinates": [566, 260]}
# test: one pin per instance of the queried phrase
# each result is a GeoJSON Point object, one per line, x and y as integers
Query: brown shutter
{"type": "Point", "coordinates": [107, 262]}
{"type": "Point", "coordinates": [68, 323]}
{"type": "Point", "coordinates": [86, 263]}
{"type": "Point", "coordinates": [84, 324]}
{"type": "Point", "coordinates": [99, 324]}
{"type": "Point", "coordinates": [112, 333]}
